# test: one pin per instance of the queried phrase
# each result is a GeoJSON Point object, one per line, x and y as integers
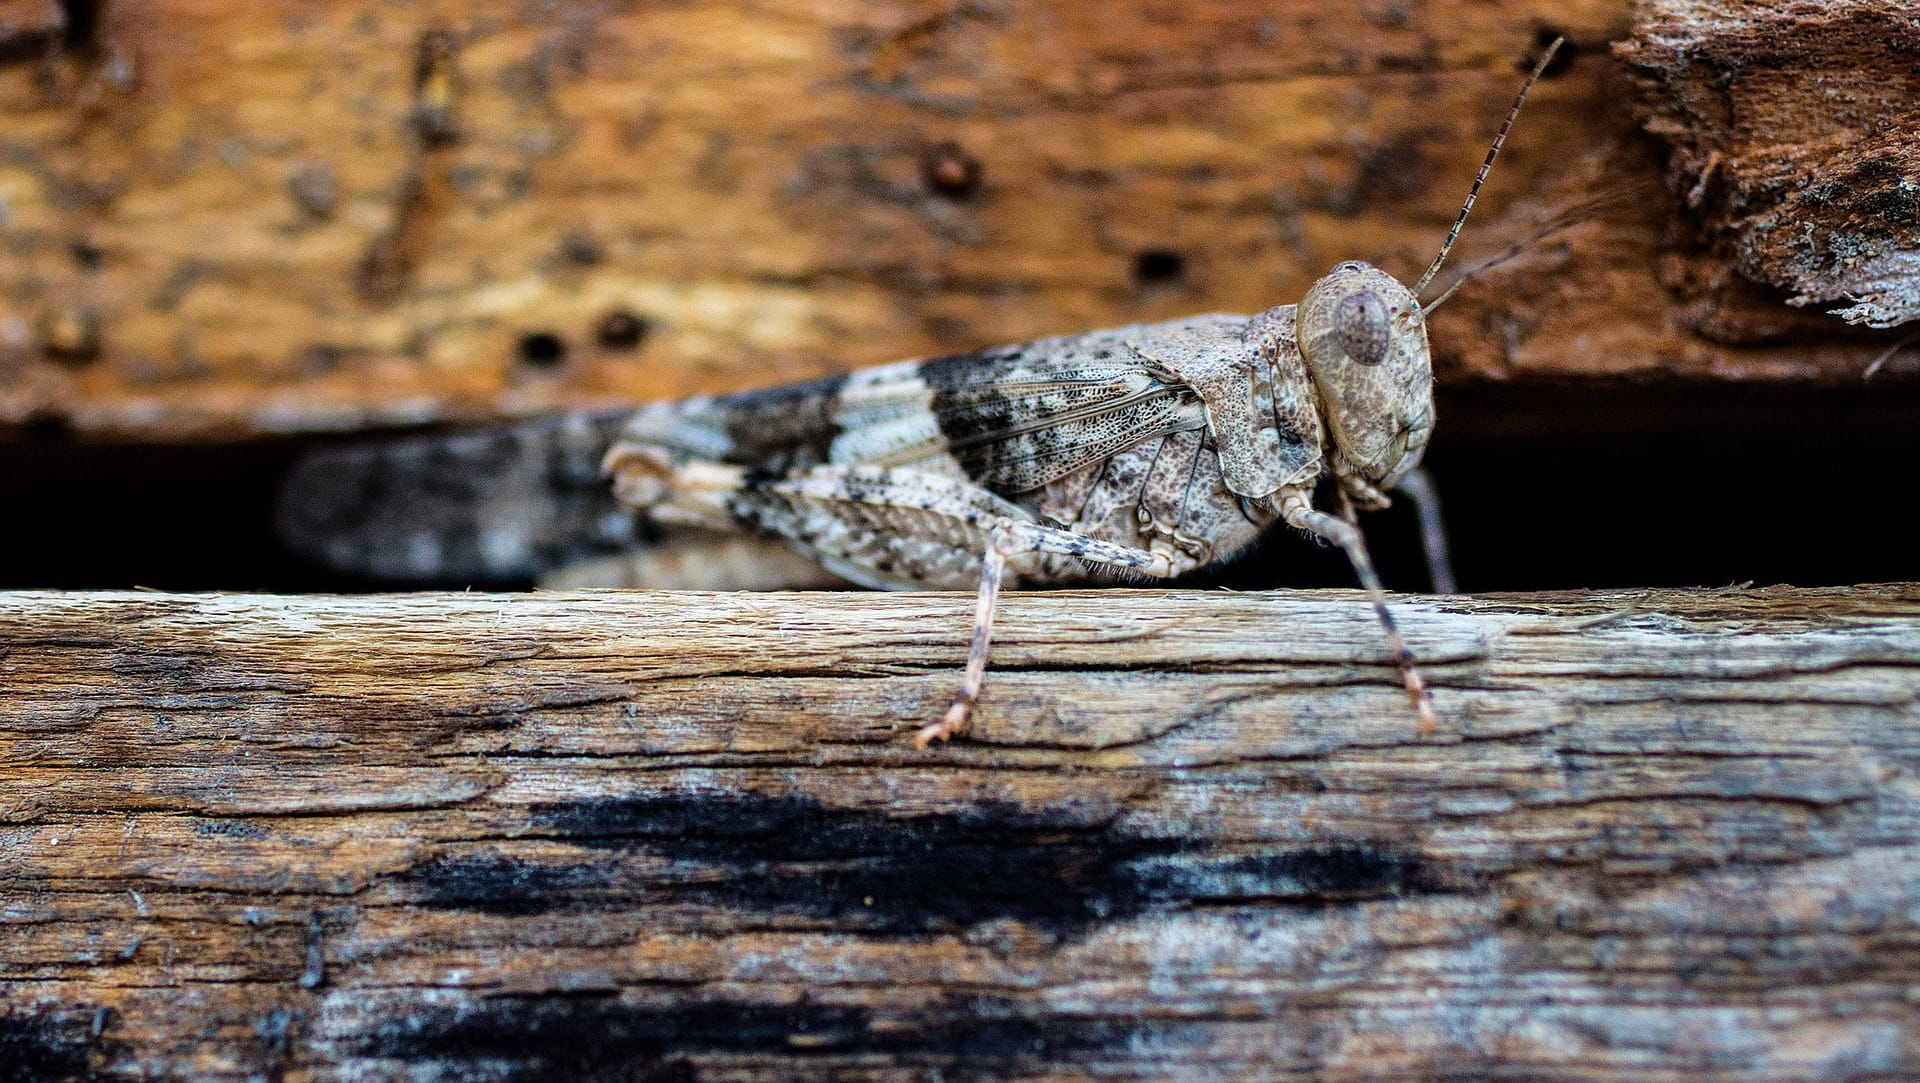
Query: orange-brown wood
{"type": "Point", "coordinates": [223, 220]}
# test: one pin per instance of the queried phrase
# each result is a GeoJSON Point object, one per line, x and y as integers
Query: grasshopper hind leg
{"type": "Point", "coordinates": [1009, 539]}
{"type": "Point", "coordinates": [882, 527]}
{"type": "Point", "coordinates": [903, 527]}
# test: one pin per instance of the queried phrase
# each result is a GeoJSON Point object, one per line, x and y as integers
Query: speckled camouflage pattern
{"type": "Point", "coordinates": [1151, 450]}
{"type": "Point", "coordinates": [1172, 438]}
{"type": "Point", "coordinates": [1175, 439]}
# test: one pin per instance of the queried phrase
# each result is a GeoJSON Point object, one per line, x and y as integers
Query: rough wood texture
{"type": "Point", "coordinates": [226, 219]}
{"type": "Point", "coordinates": [677, 837]}
{"type": "Point", "coordinates": [1795, 134]}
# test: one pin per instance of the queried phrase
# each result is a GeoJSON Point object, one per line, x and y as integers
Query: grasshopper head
{"type": "Point", "coordinates": [1365, 345]}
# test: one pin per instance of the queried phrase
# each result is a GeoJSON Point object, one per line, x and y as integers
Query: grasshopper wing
{"type": "Point", "coordinates": [1010, 419]}
{"type": "Point", "coordinates": [483, 507]}
{"type": "Point", "coordinates": [1017, 418]}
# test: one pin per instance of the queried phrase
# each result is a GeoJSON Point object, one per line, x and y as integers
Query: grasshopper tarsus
{"type": "Point", "coordinates": [951, 724]}
{"type": "Point", "coordinates": [1417, 694]}
{"type": "Point", "coordinates": [1344, 531]}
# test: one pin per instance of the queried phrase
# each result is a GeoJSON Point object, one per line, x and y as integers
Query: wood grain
{"type": "Point", "coordinates": [1661, 835]}
{"type": "Point", "coordinates": [223, 220]}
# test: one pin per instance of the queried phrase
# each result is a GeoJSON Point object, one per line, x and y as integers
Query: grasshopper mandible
{"type": "Point", "coordinates": [1146, 451]}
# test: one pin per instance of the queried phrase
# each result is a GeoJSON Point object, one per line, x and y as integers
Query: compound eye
{"type": "Point", "coordinates": [1363, 328]}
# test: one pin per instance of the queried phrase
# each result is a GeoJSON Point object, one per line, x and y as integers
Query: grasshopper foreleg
{"type": "Point", "coordinates": [1342, 532]}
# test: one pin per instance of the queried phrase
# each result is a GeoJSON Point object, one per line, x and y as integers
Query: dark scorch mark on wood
{"type": "Point", "coordinates": [593, 1038]}
{"type": "Point", "coordinates": [793, 857]}
{"type": "Point", "coordinates": [53, 1043]}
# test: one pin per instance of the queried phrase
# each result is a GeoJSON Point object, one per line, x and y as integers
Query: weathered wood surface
{"type": "Point", "coordinates": [226, 219]}
{"type": "Point", "coordinates": [1660, 835]}
{"type": "Point", "coordinates": [1795, 134]}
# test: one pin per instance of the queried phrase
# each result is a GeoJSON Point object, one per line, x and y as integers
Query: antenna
{"type": "Point", "coordinates": [1492, 153]}
{"type": "Point", "coordinates": [1571, 216]}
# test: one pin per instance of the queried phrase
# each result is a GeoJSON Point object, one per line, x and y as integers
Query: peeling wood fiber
{"type": "Point", "coordinates": [1794, 130]}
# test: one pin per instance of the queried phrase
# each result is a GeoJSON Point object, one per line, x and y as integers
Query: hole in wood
{"type": "Point", "coordinates": [621, 330]}
{"type": "Point", "coordinates": [1158, 267]}
{"type": "Point", "coordinates": [582, 249]}
{"type": "Point", "coordinates": [86, 255]}
{"type": "Point", "coordinates": [542, 350]}
{"type": "Point", "coordinates": [948, 170]}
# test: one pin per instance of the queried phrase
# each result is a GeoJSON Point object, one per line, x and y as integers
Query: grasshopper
{"type": "Point", "coordinates": [1143, 452]}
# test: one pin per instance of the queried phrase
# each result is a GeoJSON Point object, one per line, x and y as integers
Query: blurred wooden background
{"type": "Point", "coordinates": [219, 220]}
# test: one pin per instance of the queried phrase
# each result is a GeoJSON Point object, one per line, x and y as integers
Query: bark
{"type": "Point", "coordinates": [224, 220]}
{"type": "Point", "coordinates": [1659, 835]}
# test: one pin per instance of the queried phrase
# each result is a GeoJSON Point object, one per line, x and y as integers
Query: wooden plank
{"type": "Point", "coordinates": [224, 220]}
{"type": "Point", "coordinates": [1660, 835]}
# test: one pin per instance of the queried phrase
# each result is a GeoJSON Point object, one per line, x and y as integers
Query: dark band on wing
{"type": "Point", "coordinates": [1015, 421]}
{"type": "Point", "coordinates": [779, 429]}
